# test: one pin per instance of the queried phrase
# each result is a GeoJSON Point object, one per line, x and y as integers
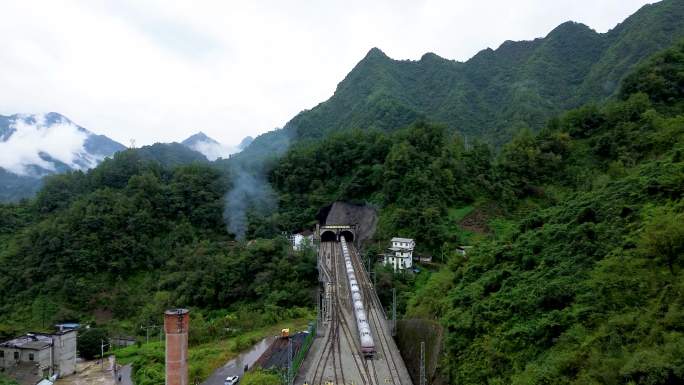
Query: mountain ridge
{"type": "Point", "coordinates": [495, 93]}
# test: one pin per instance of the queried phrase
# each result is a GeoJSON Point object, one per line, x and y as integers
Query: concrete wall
{"type": "Point", "coordinates": [64, 350]}
{"type": "Point", "coordinates": [41, 357]}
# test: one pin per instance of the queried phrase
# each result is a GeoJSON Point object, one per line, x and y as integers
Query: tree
{"type": "Point", "coordinates": [663, 238]}
{"type": "Point", "coordinates": [89, 342]}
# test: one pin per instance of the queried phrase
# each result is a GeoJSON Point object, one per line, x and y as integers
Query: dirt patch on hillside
{"type": "Point", "coordinates": [476, 221]}
{"type": "Point", "coordinates": [363, 216]}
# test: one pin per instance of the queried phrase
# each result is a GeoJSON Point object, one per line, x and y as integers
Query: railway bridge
{"type": "Point", "coordinates": [338, 355]}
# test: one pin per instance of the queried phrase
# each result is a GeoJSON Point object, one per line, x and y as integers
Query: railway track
{"type": "Point", "coordinates": [378, 322]}
{"type": "Point", "coordinates": [332, 336]}
{"type": "Point", "coordinates": [340, 358]}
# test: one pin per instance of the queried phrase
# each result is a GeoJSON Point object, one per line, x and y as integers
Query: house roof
{"type": "Point", "coordinates": [396, 239]}
{"type": "Point", "coordinates": [28, 341]}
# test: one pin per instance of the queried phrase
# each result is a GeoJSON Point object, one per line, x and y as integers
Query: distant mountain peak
{"type": "Point", "coordinates": [375, 52]}
{"type": "Point", "coordinates": [36, 145]}
{"type": "Point", "coordinates": [198, 137]}
{"type": "Point", "coordinates": [51, 143]}
{"type": "Point", "coordinates": [430, 56]}
{"type": "Point", "coordinates": [568, 29]}
{"type": "Point", "coordinates": [246, 141]}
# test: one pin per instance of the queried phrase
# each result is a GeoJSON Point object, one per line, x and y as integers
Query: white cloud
{"type": "Point", "coordinates": [214, 151]}
{"type": "Point", "coordinates": [62, 141]}
{"type": "Point", "coordinates": [160, 70]}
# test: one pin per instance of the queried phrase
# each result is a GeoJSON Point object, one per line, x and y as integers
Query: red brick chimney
{"type": "Point", "coordinates": [176, 323]}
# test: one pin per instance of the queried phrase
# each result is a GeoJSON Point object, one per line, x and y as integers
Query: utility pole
{"type": "Point", "coordinates": [423, 380]}
{"type": "Point", "coordinates": [289, 361]}
{"type": "Point", "coordinates": [147, 332]}
{"type": "Point", "coordinates": [102, 346]}
{"type": "Point", "coordinates": [394, 312]}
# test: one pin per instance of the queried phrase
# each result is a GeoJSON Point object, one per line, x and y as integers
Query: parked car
{"type": "Point", "coordinates": [232, 380]}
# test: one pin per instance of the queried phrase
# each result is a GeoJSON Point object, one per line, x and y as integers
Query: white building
{"type": "Point", "coordinates": [400, 254]}
{"type": "Point", "coordinates": [300, 239]}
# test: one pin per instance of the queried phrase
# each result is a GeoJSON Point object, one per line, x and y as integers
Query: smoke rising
{"type": "Point", "coordinates": [250, 193]}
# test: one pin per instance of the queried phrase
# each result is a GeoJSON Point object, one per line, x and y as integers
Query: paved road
{"type": "Point", "coordinates": [125, 372]}
{"type": "Point", "coordinates": [236, 366]}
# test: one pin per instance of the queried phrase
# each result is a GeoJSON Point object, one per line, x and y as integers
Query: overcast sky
{"type": "Point", "coordinates": [162, 70]}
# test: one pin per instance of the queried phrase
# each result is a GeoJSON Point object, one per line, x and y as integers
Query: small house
{"type": "Point", "coordinates": [400, 253]}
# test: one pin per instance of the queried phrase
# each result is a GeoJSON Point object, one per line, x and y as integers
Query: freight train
{"type": "Point", "coordinates": [365, 336]}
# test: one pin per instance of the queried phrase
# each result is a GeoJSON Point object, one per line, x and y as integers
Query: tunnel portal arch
{"type": "Point", "coordinates": [328, 236]}
{"type": "Point", "coordinates": [348, 235]}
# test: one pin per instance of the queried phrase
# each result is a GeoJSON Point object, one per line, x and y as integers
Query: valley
{"type": "Point", "coordinates": [540, 186]}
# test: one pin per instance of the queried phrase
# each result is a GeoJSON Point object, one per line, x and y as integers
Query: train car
{"type": "Point", "coordinates": [366, 341]}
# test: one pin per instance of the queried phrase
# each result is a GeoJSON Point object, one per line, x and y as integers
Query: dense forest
{"type": "Point", "coordinates": [131, 238]}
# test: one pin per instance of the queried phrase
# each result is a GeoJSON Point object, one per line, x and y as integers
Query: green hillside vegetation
{"type": "Point", "coordinates": [581, 279]}
{"type": "Point", "coordinates": [6, 381]}
{"type": "Point", "coordinates": [495, 93]}
{"type": "Point", "coordinates": [131, 238]}
{"type": "Point", "coordinates": [576, 217]}
{"type": "Point", "coordinates": [588, 288]}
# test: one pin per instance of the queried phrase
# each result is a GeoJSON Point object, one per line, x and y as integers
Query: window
{"type": "Point", "coordinates": [16, 355]}
{"type": "Point", "coordinates": [2, 354]}
{"type": "Point", "coordinates": [31, 356]}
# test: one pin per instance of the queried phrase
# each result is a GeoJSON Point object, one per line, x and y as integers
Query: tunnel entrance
{"type": "Point", "coordinates": [328, 236]}
{"type": "Point", "coordinates": [348, 235]}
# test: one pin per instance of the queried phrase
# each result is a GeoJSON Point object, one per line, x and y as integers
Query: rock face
{"type": "Point", "coordinates": [342, 213]}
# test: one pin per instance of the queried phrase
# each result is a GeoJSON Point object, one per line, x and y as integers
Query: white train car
{"type": "Point", "coordinates": [365, 337]}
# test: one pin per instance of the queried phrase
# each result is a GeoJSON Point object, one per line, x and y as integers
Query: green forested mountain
{"type": "Point", "coordinates": [577, 276]}
{"type": "Point", "coordinates": [495, 93]}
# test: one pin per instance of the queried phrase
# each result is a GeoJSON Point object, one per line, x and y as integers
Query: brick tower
{"type": "Point", "coordinates": [176, 323]}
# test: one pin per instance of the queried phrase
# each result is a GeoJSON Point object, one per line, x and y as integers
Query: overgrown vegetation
{"type": "Point", "coordinates": [587, 288]}
{"type": "Point", "coordinates": [7, 381]}
{"type": "Point", "coordinates": [261, 377]}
